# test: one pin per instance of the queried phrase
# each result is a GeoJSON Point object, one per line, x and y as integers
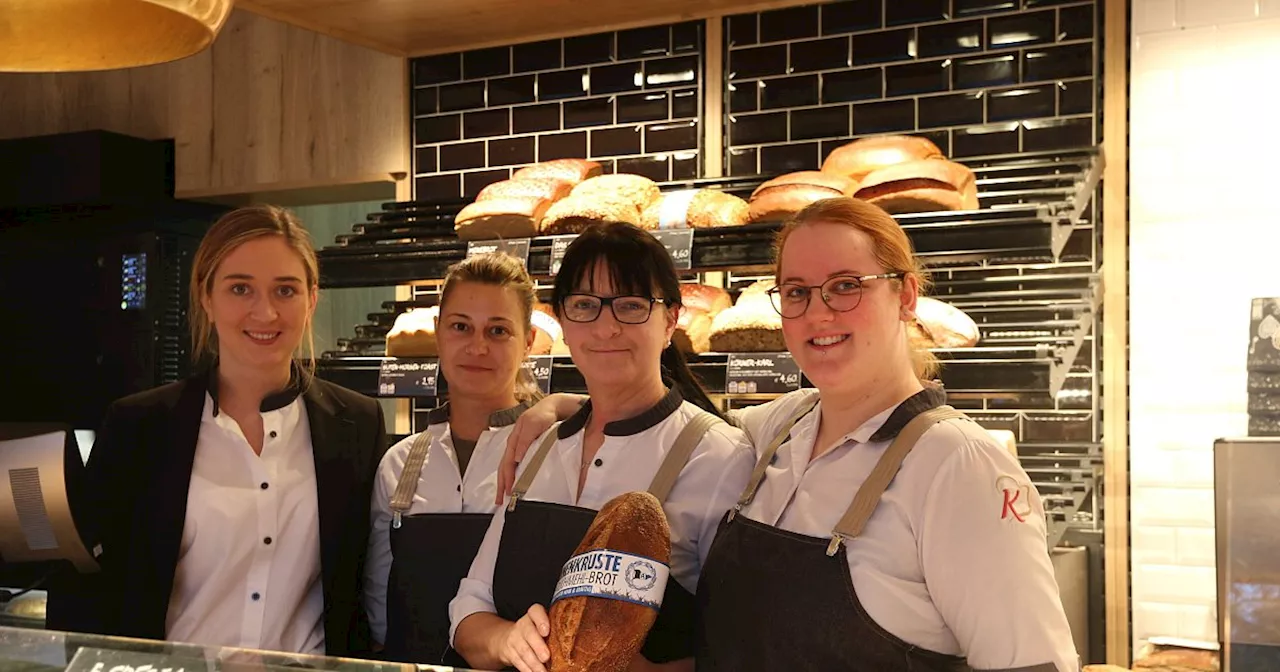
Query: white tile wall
{"type": "Point", "coordinates": [1202, 96]}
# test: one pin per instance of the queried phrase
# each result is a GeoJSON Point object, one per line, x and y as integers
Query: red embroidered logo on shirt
{"type": "Point", "coordinates": [1017, 499]}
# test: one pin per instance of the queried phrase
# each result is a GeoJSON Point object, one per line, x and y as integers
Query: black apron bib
{"type": "Point", "coordinates": [769, 599]}
{"type": "Point", "coordinates": [431, 554]}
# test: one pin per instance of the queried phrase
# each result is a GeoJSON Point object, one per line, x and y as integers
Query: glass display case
{"type": "Point", "coordinates": [1247, 503]}
{"type": "Point", "coordinates": [28, 650]}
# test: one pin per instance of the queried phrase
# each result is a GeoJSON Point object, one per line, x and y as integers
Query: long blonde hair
{"type": "Point", "coordinates": [889, 244]}
{"type": "Point", "coordinates": [228, 233]}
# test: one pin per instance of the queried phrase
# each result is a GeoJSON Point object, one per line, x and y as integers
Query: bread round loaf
{"type": "Point", "coordinates": [784, 196]}
{"type": "Point", "coordinates": [501, 218]}
{"type": "Point", "coordinates": [706, 298]}
{"type": "Point", "coordinates": [693, 331]}
{"type": "Point", "coordinates": [572, 171]}
{"type": "Point", "coordinates": [546, 329]}
{"type": "Point", "coordinates": [543, 188]}
{"type": "Point", "coordinates": [574, 214]}
{"type": "Point", "coordinates": [860, 157]}
{"type": "Point", "coordinates": [414, 333]}
{"type": "Point", "coordinates": [921, 186]}
{"type": "Point", "coordinates": [751, 325]}
{"type": "Point", "coordinates": [946, 325]}
{"type": "Point", "coordinates": [702, 209]}
{"type": "Point", "coordinates": [637, 190]}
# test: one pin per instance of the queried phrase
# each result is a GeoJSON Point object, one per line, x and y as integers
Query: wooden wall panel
{"type": "Point", "coordinates": [269, 106]}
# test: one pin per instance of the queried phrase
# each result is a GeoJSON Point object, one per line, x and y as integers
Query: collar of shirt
{"type": "Point", "coordinates": [660, 411]}
{"type": "Point", "coordinates": [272, 402]}
{"type": "Point", "coordinates": [502, 418]}
{"type": "Point", "coordinates": [887, 424]}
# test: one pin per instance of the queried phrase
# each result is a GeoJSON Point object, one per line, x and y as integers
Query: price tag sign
{"type": "Point", "coordinates": [539, 367]}
{"type": "Point", "coordinates": [558, 246]}
{"type": "Point", "coordinates": [516, 247]}
{"type": "Point", "coordinates": [762, 373]}
{"type": "Point", "coordinates": [104, 660]}
{"type": "Point", "coordinates": [408, 377]}
{"type": "Point", "coordinates": [679, 244]}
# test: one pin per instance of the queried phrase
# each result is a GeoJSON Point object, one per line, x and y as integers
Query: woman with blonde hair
{"type": "Point", "coordinates": [232, 508]}
{"type": "Point", "coordinates": [881, 529]}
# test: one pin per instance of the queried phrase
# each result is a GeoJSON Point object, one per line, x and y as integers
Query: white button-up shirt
{"type": "Point", "coordinates": [440, 489]}
{"type": "Point", "coordinates": [954, 559]}
{"type": "Point", "coordinates": [248, 570]}
{"type": "Point", "coordinates": [629, 458]}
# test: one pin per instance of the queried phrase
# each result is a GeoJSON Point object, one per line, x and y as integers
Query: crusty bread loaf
{"type": "Point", "coordinates": [946, 325]}
{"type": "Point", "coordinates": [574, 214]}
{"type": "Point", "coordinates": [861, 157]}
{"type": "Point", "coordinates": [706, 298]}
{"type": "Point", "coordinates": [693, 331]}
{"type": "Point", "coordinates": [637, 190]}
{"type": "Point", "coordinates": [929, 185]}
{"type": "Point", "coordinates": [751, 325]}
{"type": "Point", "coordinates": [598, 634]}
{"type": "Point", "coordinates": [414, 333]}
{"type": "Point", "coordinates": [572, 171]}
{"type": "Point", "coordinates": [784, 196]}
{"type": "Point", "coordinates": [501, 218]}
{"type": "Point", "coordinates": [1179, 660]}
{"type": "Point", "coordinates": [537, 188]}
{"type": "Point", "coordinates": [695, 210]}
{"type": "Point", "coordinates": [546, 329]}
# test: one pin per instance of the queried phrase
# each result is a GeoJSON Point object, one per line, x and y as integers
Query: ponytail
{"type": "Point", "coordinates": [676, 371]}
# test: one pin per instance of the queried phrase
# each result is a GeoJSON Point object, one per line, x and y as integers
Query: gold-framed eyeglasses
{"type": "Point", "coordinates": [841, 293]}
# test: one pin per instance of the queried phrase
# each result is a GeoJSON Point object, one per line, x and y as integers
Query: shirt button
{"type": "Point", "coordinates": [256, 596]}
{"type": "Point", "coordinates": [599, 462]}
{"type": "Point", "coordinates": [264, 486]}
{"type": "Point", "coordinates": [273, 433]}
{"type": "Point", "coordinates": [267, 541]}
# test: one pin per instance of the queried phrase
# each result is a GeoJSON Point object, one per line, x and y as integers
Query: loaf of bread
{"type": "Point", "coordinates": [929, 185]}
{"type": "Point", "coordinates": [693, 331]}
{"type": "Point", "coordinates": [604, 602]}
{"type": "Point", "coordinates": [861, 157]}
{"type": "Point", "coordinates": [547, 189]}
{"type": "Point", "coordinates": [944, 325]}
{"type": "Point", "coordinates": [1179, 660]}
{"type": "Point", "coordinates": [501, 218]}
{"type": "Point", "coordinates": [1005, 438]}
{"type": "Point", "coordinates": [546, 329]}
{"type": "Point", "coordinates": [706, 298]}
{"type": "Point", "coordinates": [572, 171]}
{"type": "Point", "coordinates": [574, 214]}
{"type": "Point", "coordinates": [751, 325]}
{"type": "Point", "coordinates": [782, 197]}
{"type": "Point", "coordinates": [637, 190]}
{"type": "Point", "coordinates": [414, 333]}
{"type": "Point", "coordinates": [695, 209]}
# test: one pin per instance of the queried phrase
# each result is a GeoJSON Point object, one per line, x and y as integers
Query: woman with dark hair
{"type": "Point", "coordinates": [618, 298]}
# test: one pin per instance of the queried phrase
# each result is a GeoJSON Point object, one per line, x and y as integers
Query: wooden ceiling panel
{"type": "Point", "coordinates": [420, 27]}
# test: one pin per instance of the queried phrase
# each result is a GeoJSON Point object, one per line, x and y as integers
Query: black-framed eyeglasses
{"type": "Point", "coordinates": [841, 293]}
{"type": "Point", "coordinates": [626, 309]}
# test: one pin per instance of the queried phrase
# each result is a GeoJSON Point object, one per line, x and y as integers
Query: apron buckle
{"type": "Point", "coordinates": [836, 540]}
{"type": "Point", "coordinates": [395, 519]}
{"type": "Point", "coordinates": [511, 503]}
{"type": "Point", "coordinates": [733, 512]}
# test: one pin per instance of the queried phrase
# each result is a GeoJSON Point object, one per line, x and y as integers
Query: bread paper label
{"type": "Point", "coordinates": [674, 211]}
{"type": "Point", "coordinates": [548, 324]}
{"type": "Point", "coordinates": [613, 575]}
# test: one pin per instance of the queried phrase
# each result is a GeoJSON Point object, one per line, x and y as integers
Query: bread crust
{"type": "Point", "coordinates": [861, 157]}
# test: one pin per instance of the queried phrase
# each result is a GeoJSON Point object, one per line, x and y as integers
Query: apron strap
{"type": "Point", "coordinates": [766, 458]}
{"type": "Point", "coordinates": [402, 499]}
{"type": "Point", "coordinates": [531, 470]}
{"type": "Point", "coordinates": [678, 456]}
{"type": "Point", "coordinates": [868, 496]}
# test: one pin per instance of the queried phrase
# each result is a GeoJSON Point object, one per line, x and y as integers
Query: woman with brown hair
{"type": "Point", "coordinates": [881, 531]}
{"type": "Point", "coordinates": [232, 508]}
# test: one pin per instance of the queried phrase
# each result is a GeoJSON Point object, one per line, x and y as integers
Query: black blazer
{"type": "Point", "coordinates": [131, 501]}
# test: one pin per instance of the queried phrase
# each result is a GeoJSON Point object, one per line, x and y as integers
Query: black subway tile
{"type": "Point", "coordinates": [789, 158]}
{"type": "Point", "coordinates": [792, 23]}
{"type": "Point", "coordinates": [671, 137]}
{"type": "Point", "coordinates": [1026, 102]}
{"type": "Point", "coordinates": [1019, 30]}
{"type": "Point", "coordinates": [1045, 134]}
{"type": "Point", "coordinates": [588, 49]}
{"type": "Point", "coordinates": [607, 166]}
{"type": "Point", "coordinates": [986, 70]}
{"type": "Point", "coordinates": [957, 109]}
{"type": "Point", "coordinates": [756, 129]}
{"type": "Point", "coordinates": [949, 39]}
{"type": "Point", "coordinates": [621, 78]}
{"type": "Point", "coordinates": [884, 46]}
{"type": "Point", "coordinates": [685, 166]}
{"type": "Point", "coordinates": [533, 56]}
{"type": "Point", "coordinates": [589, 112]}
{"type": "Point", "coordinates": [491, 62]}
{"type": "Point", "coordinates": [1075, 23]}
{"type": "Point", "coordinates": [828, 146]}
{"type": "Point", "coordinates": [437, 69]}
{"type": "Point", "coordinates": [642, 107]}
{"type": "Point", "coordinates": [438, 187]}
{"type": "Point", "coordinates": [902, 12]}
{"type": "Point", "coordinates": [684, 104]}
{"type": "Point", "coordinates": [850, 16]}
{"type": "Point", "coordinates": [686, 37]}
{"type": "Point", "coordinates": [852, 85]}
{"type": "Point", "coordinates": [1076, 97]}
{"type": "Point", "coordinates": [486, 124]}
{"type": "Point", "coordinates": [743, 29]}
{"type": "Point", "coordinates": [535, 118]}
{"type": "Point", "coordinates": [758, 62]}
{"type": "Point", "coordinates": [678, 71]}
{"type": "Point", "coordinates": [789, 92]}
{"type": "Point", "coordinates": [985, 140]}
{"type": "Point", "coordinates": [1046, 3]}
{"type": "Point", "coordinates": [511, 90]}
{"type": "Point", "coordinates": [562, 84]}
{"type": "Point", "coordinates": [513, 151]}
{"type": "Point", "coordinates": [1074, 60]}
{"type": "Point", "coordinates": [744, 96]}
{"type": "Point", "coordinates": [644, 42]}
{"type": "Point", "coordinates": [742, 161]}
{"type": "Point", "coordinates": [468, 96]}
{"type": "Point", "coordinates": [615, 141]}
{"type": "Point", "coordinates": [562, 146]}
{"type": "Point", "coordinates": [975, 7]}
{"type": "Point", "coordinates": [444, 128]}
{"type": "Point", "coordinates": [425, 101]}
{"type": "Point", "coordinates": [462, 156]}
{"type": "Point", "coordinates": [820, 122]}
{"type": "Point", "coordinates": [655, 168]}
{"type": "Point", "coordinates": [913, 78]}
{"type": "Point", "coordinates": [827, 54]}
{"type": "Point", "coordinates": [472, 183]}
{"type": "Point", "coordinates": [425, 160]}
{"type": "Point", "coordinates": [884, 117]}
